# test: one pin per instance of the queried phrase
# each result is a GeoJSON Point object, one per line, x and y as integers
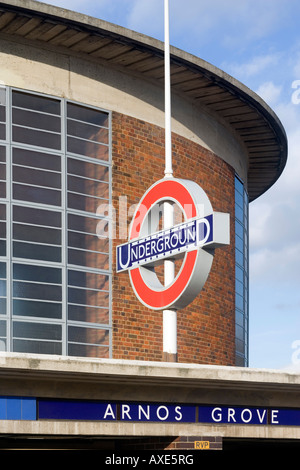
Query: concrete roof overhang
{"type": "Point", "coordinates": [249, 117]}
{"type": "Point", "coordinates": [120, 381]}
{"type": "Point", "coordinates": [233, 384]}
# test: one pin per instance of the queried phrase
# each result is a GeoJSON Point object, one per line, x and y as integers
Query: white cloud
{"type": "Point", "coordinates": [114, 11]}
{"type": "Point", "coordinates": [277, 266]}
{"type": "Point", "coordinates": [275, 216]}
{"type": "Point", "coordinates": [253, 67]}
{"type": "Point", "coordinates": [232, 24]}
{"type": "Point", "coordinates": [269, 92]}
{"type": "Point", "coordinates": [83, 6]}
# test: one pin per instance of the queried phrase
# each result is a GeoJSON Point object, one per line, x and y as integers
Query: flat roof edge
{"type": "Point", "coordinates": [143, 371]}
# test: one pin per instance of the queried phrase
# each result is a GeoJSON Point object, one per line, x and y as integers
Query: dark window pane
{"type": "Point", "coordinates": [35, 102]}
{"type": "Point", "coordinates": [87, 131]}
{"type": "Point", "coordinates": [240, 332]}
{"type": "Point", "coordinates": [37, 138]}
{"type": "Point", "coordinates": [239, 361]}
{"type": "Point", "coordinates": [2, 190]}
{"type": "Point", "coordinates": [32, 290]}
{"type": "Point", "coordinates": [83, 224]}
{"type": "Point", "coordinates": [36, 177]}
{"type": "Point", "coordinates": [2, 171]}
{"type": "Point", "coordinates": [2, 132]}
{"type": "Point", "coordinates": [88, 149]}
{"type": "Point", "coordinates": [2, 154]}
{"type": "Point", "coordinates": [2, 211]}
{"type": "Point", "coordinates": [83, 203]}
{"type": "Point", "coordinates": [92, 260]}
{"type": "Point", "coordinates": [35, 194]}
{"type": "Point", "coordinates": [88, 297]}
{"type": "Point", "coordinates": [31, 308]}
{"type": "Point", "coordinates": [88, 351]}
{"type": "Point", "coordinates": [2, 230]}
{"type": "Point", "coordinates": [36, 347]}
{"type": "Point", "coordinates": [36, 159]}
{"type": "Point", "coordinates": [240, 346]}
{"type": "Point", "coordinates": [88, 335]}
{"type": "Point", "coordinates": [88, 279]}
{"type": "Point", "coordinates": [89, 187]}
{"type": "Point", "coordinates": [88, 314]}
{"type": "Point", "coordinates": [36, 216]}
{"type": "Point", "coordinates": [2, 328]}
{"type": "Point", "coordinates": [89, 242]}
{"type": "Point", "coordinates": [3, 270]}
{"type": "Point", "coordinates": [36, 330]}
{"type": "Point", "coordinates": [36, 120]}
{"type": "Point", "coordinates": [37, 234]}
{"type": "Point", "coordinates": [88, 170]}
{"type": "Point", "coordinates": [41, 252]}
{"type": "Point", "coordinates": [2, 309]}
{"type": "Point", "coordinates": [90, 115]}
{"type": "Point", "coordinates": [2, 114]}
{"type": "Point", "coordinates": [2, 248]}
{"type": "Point", "coordinates": [28, 272]}
{"type": "Point", "coordinates": [2, 287]}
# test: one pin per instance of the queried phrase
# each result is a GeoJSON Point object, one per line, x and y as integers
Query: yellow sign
{"type": "Point", "coordinates": [202, 445]}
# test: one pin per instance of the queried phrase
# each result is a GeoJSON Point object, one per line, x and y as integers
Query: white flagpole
{"type": "Point", "coordinates": [169, 316]}
{"type": "Point", "coordinates": [168, 143]}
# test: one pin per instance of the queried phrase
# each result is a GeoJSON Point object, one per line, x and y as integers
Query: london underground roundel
{"type": "Point", "coordinates": [193, 241]}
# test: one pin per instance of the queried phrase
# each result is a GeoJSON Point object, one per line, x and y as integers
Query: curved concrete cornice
{"type": "Point", "coordinates": [249, 117]}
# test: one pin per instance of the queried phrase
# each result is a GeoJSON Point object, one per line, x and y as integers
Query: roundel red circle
{"type": "Point", "coordinates": [157, 299]}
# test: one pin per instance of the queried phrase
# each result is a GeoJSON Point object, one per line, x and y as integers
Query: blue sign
{"type": "Point", "coordinates": [18, 408]}
{"type": "Point", "coordinates": [105, 411]}
{"type": "Point", "coordinates": [165, 243]}
{"type": "Point", "coordinates": [234, 415]}
{"type": "Point", "coordinates": [25, 408]}
{"type": "Point", "coordinates": [157, 412]}
{"type": "Point", "coordinates": [76, 410]}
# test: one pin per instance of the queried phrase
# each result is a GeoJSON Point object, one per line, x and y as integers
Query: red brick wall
{"type": "Point", "coordinates": [206, 327]}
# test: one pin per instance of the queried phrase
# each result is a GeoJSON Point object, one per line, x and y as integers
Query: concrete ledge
{"type": "Point", "coordinates": [112, 370]}
{"type": "Point", "coordinates": [121, 429]}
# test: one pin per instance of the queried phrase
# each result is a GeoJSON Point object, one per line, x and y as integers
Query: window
{"type": "Point", "coordinates": [241, 273]}
{"type": "Point", "coordinates": [55, 271]}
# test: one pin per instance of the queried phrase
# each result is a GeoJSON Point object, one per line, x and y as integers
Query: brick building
{"type": "Point", "coordinates": [81, 140]}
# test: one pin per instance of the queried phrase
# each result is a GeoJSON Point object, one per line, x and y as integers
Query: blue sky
{"type": "Point", "coordinates": [257, 42]}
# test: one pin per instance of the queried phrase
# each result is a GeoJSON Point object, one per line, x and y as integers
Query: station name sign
{"type": "Point", "coordinates": [166, 243]}
{"type": "Point", "coordinates": [164, 412]}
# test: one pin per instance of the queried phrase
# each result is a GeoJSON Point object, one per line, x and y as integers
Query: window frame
{"type": "Point", "coordinates": [64, 211]}
{"type": "Point", "coordinates": [241, 273]}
